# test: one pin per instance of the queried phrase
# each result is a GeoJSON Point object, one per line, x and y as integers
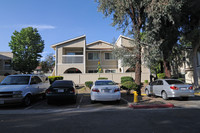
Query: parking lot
{"type": "Point", "coordinates": [83, 101]}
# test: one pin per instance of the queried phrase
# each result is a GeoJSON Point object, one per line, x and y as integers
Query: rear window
{"type": "Point", "coordinates": [104, 83]}
{"type": "Point", "coordinates": [62, 83]}
{"type": "Point", "coordinates": [174, 82]}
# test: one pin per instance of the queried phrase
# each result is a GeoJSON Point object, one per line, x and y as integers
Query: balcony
{"type": "Point", "coordinates": [72, 59]}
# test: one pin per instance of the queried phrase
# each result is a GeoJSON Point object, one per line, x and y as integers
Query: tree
{"type": "Point", "coordinates": [162, 29]}
{"type": "Point", "coordinates": [48, 63]}
{"type": "Point", "coordinates": [27, 46]}
{"type": "Point", "coordinates": [191, 31]}
{"type": "Point", "coordinates": [128, 15]}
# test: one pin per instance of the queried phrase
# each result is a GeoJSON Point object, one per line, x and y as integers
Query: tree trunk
{"type": "Point", "coordinates": [194, 63]}
{"type": "Point", "coordinates": [138, 71]}
{"type": "Point", "coordinates": [167, 68]}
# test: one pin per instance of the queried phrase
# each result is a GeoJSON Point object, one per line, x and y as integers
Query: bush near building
{"type": "Point", "coordinates": [161, 75]}
{"type": "Point", "coordinates": [102, 78]}
{"type": "Point", "coordinates": [89, 84]}
{"type": "Point", "coordinates": [53, 78]}
{"type": "Point", "coordinates": [126, 78]}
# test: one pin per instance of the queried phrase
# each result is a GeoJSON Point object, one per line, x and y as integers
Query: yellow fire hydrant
{"type": "Point", "coordinates": [135, 97]}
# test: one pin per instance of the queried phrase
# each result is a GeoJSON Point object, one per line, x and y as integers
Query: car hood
{"type": "Point", "coordinates": [12, 87]}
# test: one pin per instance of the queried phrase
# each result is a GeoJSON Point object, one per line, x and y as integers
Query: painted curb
{"type": "Point", "coordinates": [167, 105]}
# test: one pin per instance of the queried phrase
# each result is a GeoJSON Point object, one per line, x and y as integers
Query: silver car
{"type": "Point", "coordinates": [169, 88]}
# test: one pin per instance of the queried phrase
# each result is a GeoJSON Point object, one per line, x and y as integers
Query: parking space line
{"type": "Point", "coordinates": [125, 100]}
{"type": "Point", "coordinates": [34, 105]}
{"type": "Point", "coordinates": [80, 102]}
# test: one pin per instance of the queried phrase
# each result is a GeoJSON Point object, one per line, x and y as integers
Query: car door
{"type": "Point", "coordinates": [152, 86]}
{"type": "Point", "coordinates": [35, 85]}
{"type": "Point", "coordinates": [159, 87]}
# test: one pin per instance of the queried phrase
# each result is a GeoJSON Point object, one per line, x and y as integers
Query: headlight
{"type": "Point", "coordinates": [17, 94]}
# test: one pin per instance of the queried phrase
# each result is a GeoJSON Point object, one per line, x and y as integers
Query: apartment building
{"type": "Point", "coordinates": [5, 63]}
{"type": "Point", "coordinates": [75, 56]}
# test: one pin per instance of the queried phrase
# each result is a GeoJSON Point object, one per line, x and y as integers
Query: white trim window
{"type": "Point", "coordinates": [93, 56]}
{"type": "Point", "coordinates": [109, 56]}
{"type": "Point", "coordinates": [110, 71]}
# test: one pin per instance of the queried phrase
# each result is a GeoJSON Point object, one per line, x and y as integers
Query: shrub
{"type": "Point", "coordinates": [89, 84]}
{"type": "Point", "coordinates": [126, 78]}
{"type": "Point", "coordinates": [102, 78]}
{"type": "Point", "coordinates": [53, 78]}
{"type": "Point", "coordinates": [130, 85]}
{"type": "Point", "coordinates": [146, 81]}
{"type": "Point", "coordinates": [161, 75]}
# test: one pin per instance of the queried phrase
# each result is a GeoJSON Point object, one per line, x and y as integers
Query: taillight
{"type": "Point", "coordinates": [48, 91]}
{"type": "Point", "coordinates": [116, 90]}
{"type": "Point", "coordinates": [174, 87]}
{"type": "Point", "coordinates": [190, 88]}
{"type": "Point", "coordinates": [95, 90]}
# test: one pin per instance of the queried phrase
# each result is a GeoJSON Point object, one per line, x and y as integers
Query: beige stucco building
{"type": "Point", "coordinates": [5, 63]}
{"type": "Point", "coordinates": [74, 57]}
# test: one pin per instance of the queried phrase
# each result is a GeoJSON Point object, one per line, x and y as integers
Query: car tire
{"type": "Point", "coordinates": [74, 101]}
{"type": "Point", "coordinates": [49, 101]}
{"type": "Point", "coordinates": [27, 101]}
{"type": "Point", "coordinates": [147, 92]}
{"type": "Point", "coordinates": [92, 101]}
{"type": "Point", "coordinates": [164, 95]}
{"type": "Point", "coordinates": [185, 98]}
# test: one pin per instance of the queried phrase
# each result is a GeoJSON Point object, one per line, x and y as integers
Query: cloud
{"type": "Point", "coordinates": [39, 27]}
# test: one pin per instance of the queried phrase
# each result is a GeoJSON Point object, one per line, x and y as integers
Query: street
{"type": "Point", "coordinates": [101, 117]}
{"type": "Point", "coordinates": [104, 121]}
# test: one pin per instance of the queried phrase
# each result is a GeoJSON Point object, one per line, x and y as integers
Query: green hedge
{"type": "Point", "coordinates": [102, 78]}
{"type": "Point", "coordinates": [89, 84]}
{"type": "Point", "coordinates": [126, 78]}
{"type": "Point", "coordinates": [53, 78]}
{"type": "Point", "coordinates": [146, 81]}
{"type": "Point", "coordinates": [161, 75]}
{"type": "Point", "coordinates": [129, 85]}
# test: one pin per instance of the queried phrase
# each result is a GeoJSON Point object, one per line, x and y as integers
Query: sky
{"type": "Point", "coordinates": [56, 21]}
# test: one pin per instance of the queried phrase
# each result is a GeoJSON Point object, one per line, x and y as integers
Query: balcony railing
{"type": "Point", "coordinates": [72, 59]}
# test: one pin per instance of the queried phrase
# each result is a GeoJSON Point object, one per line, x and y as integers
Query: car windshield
{"type": "Point", "coordinates": [62, 83]}
{"type": "Point", "coordinates": [174, 82]}
{"type": "Point", "coordinates": [16, 80]}
{"type": "Point", "coordinates": [104, 83]}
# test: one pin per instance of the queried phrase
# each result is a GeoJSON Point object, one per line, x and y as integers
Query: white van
{"type": "Point", "coordinates": [21, 88]}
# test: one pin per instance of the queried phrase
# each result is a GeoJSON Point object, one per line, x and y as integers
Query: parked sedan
{"type": "Point", "coordinates": [105, 90]}
{"type": "Point", "coordinates": [169, 88]}
{"type": "Point", "coordinates": [61, 90]}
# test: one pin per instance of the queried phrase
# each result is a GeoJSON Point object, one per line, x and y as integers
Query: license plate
{"type": "Point", "coordinates": [60, 90]}
{"type": "Point", "coordinates": [1, 101]}
{"type": "Point", "coordinates": [106, 90]}
{"type": "Point", "coordinates": [183, 89]}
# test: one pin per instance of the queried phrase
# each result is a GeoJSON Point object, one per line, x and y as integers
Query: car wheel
{"type": "Point", "coordinates": [164, 95]}
{"type": "Point", "coordinates": [92, 101]}
{"type": "Point", "coordinates": [185, 98]}
{"type": "Point", "coordinates": [147, 92]}
{"type": "Point", "coordinates": [27, 100]}
{"type": "Point", "coordinates": [74, 101]}
{"type": "Point", "coordinates": [49, 101]}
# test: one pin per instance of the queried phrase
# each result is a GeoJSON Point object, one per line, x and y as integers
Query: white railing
{"type": "Point", "coordinates": [72, 59]}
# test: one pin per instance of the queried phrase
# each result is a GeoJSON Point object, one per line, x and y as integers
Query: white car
{"type": "Point", "coordinates": [21, 88]}
{"type": "Point", "coordinates": [105, 90]}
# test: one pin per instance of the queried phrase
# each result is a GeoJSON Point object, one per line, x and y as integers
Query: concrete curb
{"type": "Point", "coordinates": [167, 105]}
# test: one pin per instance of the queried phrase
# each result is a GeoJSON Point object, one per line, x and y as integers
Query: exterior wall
{"type": "Point", "coordinates": [99, 44]}
{"type": "Point", "coordinates": [63, 67]}
{"type": "Point", "coordinates": [105, 64]}
{"type": "Point", "coordinates": [61, 49]}
{"type": "Point", "coordinates": [82, 78]}
{"type": "Point", "coordinates": [5, 56]}
{"type": "Point", "coordinates": [126, 42]}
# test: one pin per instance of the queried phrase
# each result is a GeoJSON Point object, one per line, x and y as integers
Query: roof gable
{"type": "Point", "coordinates": [99, 45]}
